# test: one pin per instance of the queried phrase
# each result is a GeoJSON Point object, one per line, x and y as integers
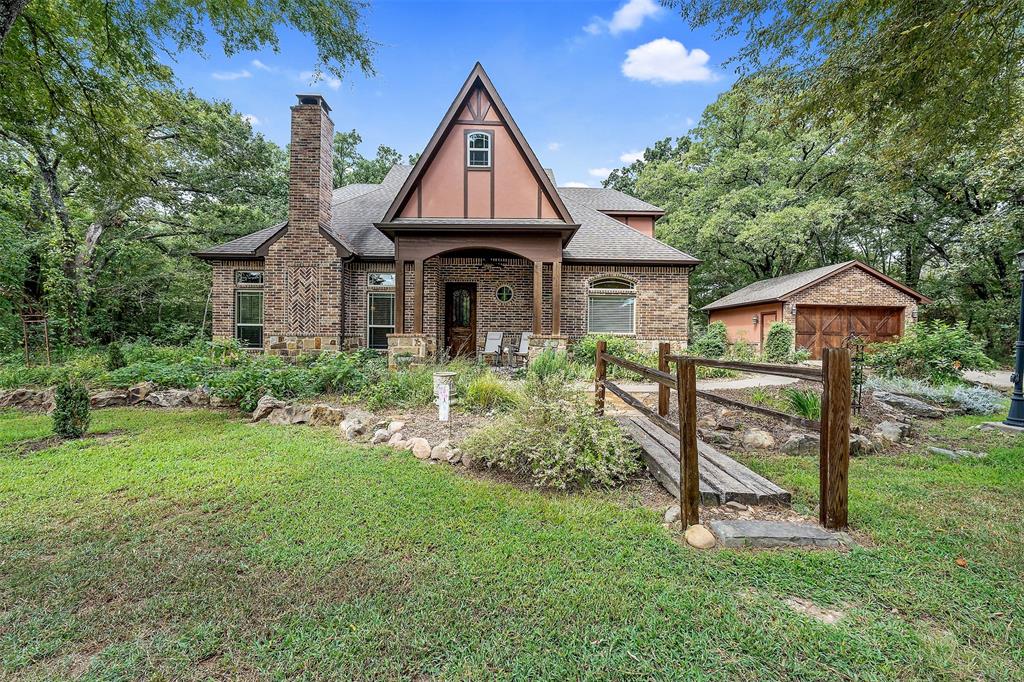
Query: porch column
{"type": "Point", "coordinates": [417, 308]}
{"type": "Point", "coordinates": [556, 298]}
{"type": "Point", "coordinates": [538, 296]}
{"type": "Point", "coordinates": [399, 295]}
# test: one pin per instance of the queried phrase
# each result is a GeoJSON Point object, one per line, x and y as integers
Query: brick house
{"type": "Point", "coordinates": [823, 305]}
{"type": "Point", "coordinates": [474, 238]}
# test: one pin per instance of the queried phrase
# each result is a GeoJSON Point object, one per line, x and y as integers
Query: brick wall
{"type": "Point", "coordinates": [222, 300]}
{"type": "Point", "coordinates": [852, 287]}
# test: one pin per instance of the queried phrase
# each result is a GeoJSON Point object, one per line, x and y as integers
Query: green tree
{"type": "Point", "coordinates": [624, 179]}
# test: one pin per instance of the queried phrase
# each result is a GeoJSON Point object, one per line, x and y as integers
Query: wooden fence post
{"type": "Point", "coordinates": [834, 447]}
{"type": "Point", "coordinates": [664, 348]}
{"type": "Point", "coordinates": [599, 377]}
{"type": "Point", "coordinates": [689, 477]}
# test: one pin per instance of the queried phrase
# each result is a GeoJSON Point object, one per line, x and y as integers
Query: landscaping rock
{"type": "Point", "coordinates": [139, 392]}
{"type": "Point", "coordinates": [441, 452]}
{"type": "Point", "coordinates": [380, 436]}
{"type": "Point", "coordinates": [456, 457]}
{"type": "Point", "coordinates": [891, 432]}
{"type": "Point", "coordinates": [744, 533]}
{"type": "Point", "coordinates": [325, 415]}
{"type": "Point", "coordinates": [28, 399]}
{"type": "Point", "coordinates": [420, 448]}
{"type": "Point", "coordinates": [802, 444]}
{"type": "Point", "coordinates": [905, 403]}
{"type": "Point", "coordinates": [265, 406]}
{"type": "Point", "coordinates": [172, 397]}
{"type": "Point", "coordinates": [728, 425]}
{"type": "Point", "coordinates": [758, 439]}
{"type": "Point", "coordinates": [736, 506]}
{"type": "Point", "coordinates": [108, 399]}
{"type": "Point", "coordinates": [398, 441]}
{"type": "Point", "coordinates": [467, 460]}
{"type": "Point", "coordinates": [860, 445]}
{"type": "Point", "coordinates": [218, 402]}
{"type": "Point", "coordinates": [355, 424]}
{"type": "Point", "coordinates": [672, 514]}
{"type": "Point", "coordinates": [720, 438]}
{"type": "Point", "coordinates": [291, 414]}
{"type": "Point", "coordinates": [199, 397]}
{"type": "Point", "coordinates": [700, 537]}
{"type": "Point", "coordinates": [956, 454]}
{"type": "Point", "coordinates": [396, 426]}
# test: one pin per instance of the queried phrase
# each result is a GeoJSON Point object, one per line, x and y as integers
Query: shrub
{"type": "Point", "coordinates": [584, 353]}
{"type": "Point", "coordinates": [71, 409]}
{"type": "Point", "coordinates": [557, 441]}
{"type": "Point", "coordinates": [970, 399]}
{"type": "Point", "coordinates": [934, 351]}
{"type": "Point", "coordinates": [551, 364]}
{"type": "Point", "coordinates": [115, 357]}
{"type": "Point", "coordinates": [804, 403]}
{"type": "Point", "coordinates": [742, 351]}
{"type": "Point", "coordinates": [778, 342]}
{"type": "Point", "coordinates": [411, 387]}
{"type": "Point", "coordinates": [487, 392]}
{"type": "Point", "coordinates": [347, 373]}
{"type": "Point", "coordinates": [713, 342]}
{"type": "Point", "coordinates": [977, 400]}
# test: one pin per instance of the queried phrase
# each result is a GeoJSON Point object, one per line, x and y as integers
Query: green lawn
{"type": "Point", "coordinates": [192, 545]}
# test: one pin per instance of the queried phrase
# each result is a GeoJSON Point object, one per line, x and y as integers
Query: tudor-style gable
{"type": "Point", "coordinates": [502, 180]}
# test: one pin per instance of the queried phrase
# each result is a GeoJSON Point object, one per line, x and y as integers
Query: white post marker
{"type": "Point", "coordinates": [443, 401]}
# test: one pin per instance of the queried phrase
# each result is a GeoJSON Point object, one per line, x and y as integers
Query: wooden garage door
{"type": "Point", "coordinates": [820, 327]}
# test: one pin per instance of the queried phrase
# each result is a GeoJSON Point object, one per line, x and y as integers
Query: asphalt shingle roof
{"type": "Point", "coordinates": [775, 288]}
{"type": "Point", "coordinates": [599, 238]}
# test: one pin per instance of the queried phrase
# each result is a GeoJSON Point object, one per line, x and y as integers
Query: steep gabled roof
{"type": "Point", "coordinates": [253, 245]}
{"type": "Point", "coordinates": [781, 288]}
{"type": "Point", "coordinates": [477, 77]}
{"type": "Point", "coordinates": [608, 200]}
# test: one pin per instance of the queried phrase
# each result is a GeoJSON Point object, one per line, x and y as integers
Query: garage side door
{"type": "Point", "coordinates": [819, 327]}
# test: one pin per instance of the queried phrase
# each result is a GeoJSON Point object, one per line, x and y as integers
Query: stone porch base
{"type": "Point", "coordinates": [291, 346]}
{"type": "Point", "coordinates": [419, 348]}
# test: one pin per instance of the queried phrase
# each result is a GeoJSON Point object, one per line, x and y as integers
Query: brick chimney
{"type": "Point", "coordinates": [302, 270]}
{"type": "Point", "coordinates": [310, 177]}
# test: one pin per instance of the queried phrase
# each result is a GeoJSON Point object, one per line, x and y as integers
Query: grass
{"type": "Point", "coordinates": [188, 545]}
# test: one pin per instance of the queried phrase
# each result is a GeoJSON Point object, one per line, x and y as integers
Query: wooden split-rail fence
{"type": "Point", "coordinates": [833, 427]}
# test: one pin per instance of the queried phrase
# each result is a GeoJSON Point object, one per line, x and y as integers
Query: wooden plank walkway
{"type": "Point", "coordinates": [722, 479]}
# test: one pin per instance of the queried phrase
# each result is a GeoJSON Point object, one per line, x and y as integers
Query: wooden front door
{"type": "Point", "coordinates": [460, 319]}
{"type": "Point", "coordinates": [768, 318]}
{"type": "Point", "coordinates": [819, 327]}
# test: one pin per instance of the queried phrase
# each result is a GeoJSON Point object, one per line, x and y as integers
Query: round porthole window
{"type": "Point", "coordinates": [504, 293]}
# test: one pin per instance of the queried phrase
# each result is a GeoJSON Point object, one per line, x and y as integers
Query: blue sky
{"type": "Point", "coordinates": [635, 72]}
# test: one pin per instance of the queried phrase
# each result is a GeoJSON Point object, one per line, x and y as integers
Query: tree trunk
{"type": "Point", "coordinates": [9, 12]}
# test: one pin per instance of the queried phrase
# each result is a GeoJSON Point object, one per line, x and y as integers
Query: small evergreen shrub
{"type": "Point", "coordinates": [71, 409]}
{"type": "Point", "coordinates": [934, 351]}
{"type": "Point", "coordinates": [713, 342]}
{"type": "Point", "coordinates": [555, 439]}
{"type": "Point", "coordinates": [778, 342]}
{"type": "Point", "coordinates": [807, 404]}
{"type": "Point", "coordinates": [584, 354]}
{"type": "Point", "coordinates": [551, 364]}
{"type": "Point", "coordinates": [115, 357]}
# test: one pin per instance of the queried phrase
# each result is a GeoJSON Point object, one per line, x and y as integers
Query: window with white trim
{"type": "Point", "coordinates": [478, 150]}
{"type": "Point", "coordinates": [611, 307]}
{"type": "Point", "coordinates": [249, 318]}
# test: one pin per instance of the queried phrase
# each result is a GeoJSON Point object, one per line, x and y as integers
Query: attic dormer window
{"type": "Point", "coordinates": [478, 150]}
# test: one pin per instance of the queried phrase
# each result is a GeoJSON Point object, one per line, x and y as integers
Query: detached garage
{"type": "Point", "coordinates": [824, 306]}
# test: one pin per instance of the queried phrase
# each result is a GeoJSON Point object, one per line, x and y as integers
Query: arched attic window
{"type": "Point", "coordinates": [478, 150]}
{"type": "Point", "coordinates": [611, 306]}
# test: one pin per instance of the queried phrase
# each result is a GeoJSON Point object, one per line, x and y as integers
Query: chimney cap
{"type": "Point", "coordinates": [314, 98]}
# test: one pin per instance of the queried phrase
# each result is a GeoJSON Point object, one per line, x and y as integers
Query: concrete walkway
{"type": "Point", "coordinates": [743, 381]}
{"type": "Point", "coordinates": [996, 379]}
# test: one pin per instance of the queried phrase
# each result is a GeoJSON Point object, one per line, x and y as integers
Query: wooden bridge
{"type": "Point", "coordinates": [695, 471]}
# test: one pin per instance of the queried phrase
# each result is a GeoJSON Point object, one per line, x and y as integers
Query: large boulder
{"type": "Point", "coordinates": [139, 392]}
{"type": "Point", "coordinates": [355, 424]}
{"type": "Point", "coordinates": [441, 452]}
{"type": "Point", "coordinates": [199, 397]}
{"type": "Point", "coordinates": [380, 436]}
{"type": "Point", "coordinates": [291, 414]}
{"type": "Point", "coordinates": [395, 427]}
{"type": "Point", "coordinates": [860, 445]}
{"type": "Point", "coordinates": [758, 439]}
{"type": "Point", "coordinates": [802, 444]}
{"type": "Point", "coordinates": [398, 441]}
{"type": "Point", "coordinates": [28, 399]}
{"type": "Point", "coordinates": [108, 399]}
{"type": "Point", "coordinates": [172, 397]}
{"type": "Point", "coordinates": [891, 432]}
{"type": "Point", "coordinates": [265, 406]}
{"type": "Point", "coordinates": [325, 415]}
{"type": "Point", "coordinates": [908, 405]}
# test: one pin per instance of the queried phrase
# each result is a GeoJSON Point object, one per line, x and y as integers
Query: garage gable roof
{"type": "Point", "coordinates": [781, 288]}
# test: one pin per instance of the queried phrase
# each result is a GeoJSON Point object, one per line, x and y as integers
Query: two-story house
{"type": "Point", "coordinates": [476, 237]}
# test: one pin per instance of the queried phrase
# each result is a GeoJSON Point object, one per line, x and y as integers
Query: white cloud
{"type": "Point", "coordinates": [666, 61]}
{"type": "Point", "coordinates": [629, 17]}
{"type": "Point", "coordinates": [600, 173]}
{"type": "Point", "coordinates": [630, 157]}
{"type": "Point", "coordinates": [253, 121]}
{"type": "Point", "coordinates": [257, 64]}
{"type": "Point", "coordinates": [311, 78]}
{"type": "Point", "coordinates": [230, 75]}
{"type": "Point", "coordinates": [554, 146]}
{"type": "Point", "coordinates": [690, 120]}
{"type": "Point", "coordinates": [575, 184]}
